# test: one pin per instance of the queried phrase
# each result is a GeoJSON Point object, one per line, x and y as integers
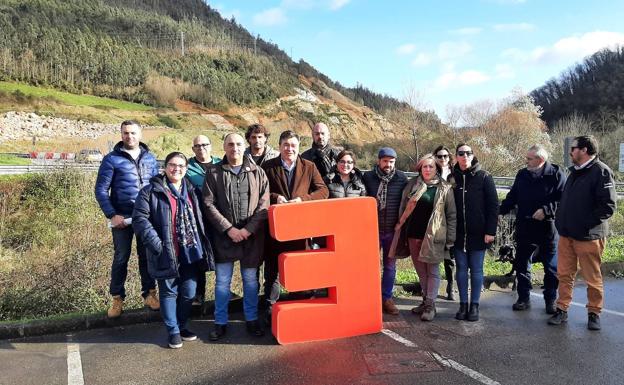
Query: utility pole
{"type": "Point", "coordinates": [182, 41]}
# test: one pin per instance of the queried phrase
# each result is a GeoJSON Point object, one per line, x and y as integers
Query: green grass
{"type": "Point", "coordinates": [614, 251]}
{"type": "Point", "coordinates": [10, 160]}
{"type": "Point", "coordinates": [71, 99]}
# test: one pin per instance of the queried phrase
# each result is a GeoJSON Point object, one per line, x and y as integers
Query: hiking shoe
{"type": "Point", "coordinates": [187, 335]}
{"type": "Point", "coordinates": [254, 328]}
{"type": "Point", "coordinates": [420, 308]}
{"type": "Point", "coordinates": [175, 341]}
{"type": "Point", "coordinates": [116, 308]}
{"type": "Point", "coordinates": [218, 332]}
{"type": "Point", "coordinates": [558, 318]}
{"type": "Point", "coordinates": [429, 311]}
{"type": "Point", "coordinates": [593, 321]}
{"type": "Point", "coordinates": [550, 306]}
{"type": "Point", "coordinates": [151, 300]}
{"type": "Point", "coordinates": [198, 301]}
{"type": "Point", "coordinates": [389, 307]}
{"type": "Point", "coordinates": [521, 305]}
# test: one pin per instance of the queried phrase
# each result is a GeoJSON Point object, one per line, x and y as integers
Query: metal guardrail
{"type": "Point", "coordinates": [40, 168]}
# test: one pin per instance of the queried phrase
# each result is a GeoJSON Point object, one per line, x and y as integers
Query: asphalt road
{"type": "Point", "coordinates": [504, 347]}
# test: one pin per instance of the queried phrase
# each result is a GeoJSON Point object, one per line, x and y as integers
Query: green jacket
{"type": "Point", "coordinates": [196, 174]}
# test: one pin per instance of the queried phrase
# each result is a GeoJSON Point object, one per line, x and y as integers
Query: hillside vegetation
{"type": "Point", "coordinates": [151, 52]}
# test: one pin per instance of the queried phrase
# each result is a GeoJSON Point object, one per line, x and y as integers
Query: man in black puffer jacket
{"type": "Point", "coordinates": [386, 184]}
{"type": "Point", "coordinates": [536, 192]}
{"type": "Point", "coordinates": [123, 172]}
{"type": "Point", "coordinates": [587, 202]}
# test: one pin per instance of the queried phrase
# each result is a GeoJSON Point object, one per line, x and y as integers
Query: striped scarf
{"type": "Point", "coordinates": [382, 191]}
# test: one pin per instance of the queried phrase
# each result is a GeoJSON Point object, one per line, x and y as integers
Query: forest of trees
{"type": "Point", "coordinates": [592, 89]}
{"type": "Point", "coordinates": [113, 47]}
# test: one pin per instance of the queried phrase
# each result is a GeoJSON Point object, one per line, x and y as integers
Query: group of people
{"type": "Point", "coordinates": [206, 213]}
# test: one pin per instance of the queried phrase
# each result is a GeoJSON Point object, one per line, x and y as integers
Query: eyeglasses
{"type": "Point", "coordinates": [464, 153]}
{"type": "Point", "coordinates": [346, 162]}
{"type": "Point", "coordinates": [445, 156]}
{"type": "Point", "coordinates": [174, 166]}
{"type": "Point", "coordinates": [201, 145]}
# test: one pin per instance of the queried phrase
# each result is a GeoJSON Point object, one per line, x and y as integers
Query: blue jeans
{"type": "Point", "coordinates": [176, 298]}
{"type": "Point", "coordinates": [473, 260]}
{"type": "Point", "coordinates": [122, 243]}
{"type": "Point", "coordinates": [389, 266]}
{"type": "Point", "coordinates": [224, 273]}
{"type": "Point", "coordinates": [523, 266]}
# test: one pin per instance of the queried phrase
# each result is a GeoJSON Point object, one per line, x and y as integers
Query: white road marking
{"type": "Point", "coordinates": [465, 370]}
{"type": "Point", "coordinates": [444, 361]}
{"type": "Point", "coordinates": [398, 338]}
{"type": "Point", "coordinates": [74, 364]}
{"type": "Point", "coordinates": [583, 305]}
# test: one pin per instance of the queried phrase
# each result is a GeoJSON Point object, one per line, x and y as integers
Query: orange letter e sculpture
{"type": "Point", "coordinates": [348, 266]}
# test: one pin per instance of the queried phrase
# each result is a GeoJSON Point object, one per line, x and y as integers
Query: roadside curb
{"type": "Point", "coordinates": [138, 316]}
{"type": "Point", "coordinates": [100, 320]}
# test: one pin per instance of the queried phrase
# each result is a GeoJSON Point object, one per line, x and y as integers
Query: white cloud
{"type": "Point", "coordinates": [466, 31]}
{"type": "Point", "coordinates": [459, 79]}
{"type": "Point", "coordinates": [422, 59]}
{"type": "Point", "coordinates": [450, 49]}
{"type": "Point", "coordinates": [337, 4]}
{"type": "Point", "coordinates": [270, 17]}
{"type": "Point", "coordinates": [567, 49]}
{"type": "Point", "coordinates": [504, 71]}
{"type": "Point", "coordinates": [406, 49]}
{"type": "Point", "coordinates": [514, 27]}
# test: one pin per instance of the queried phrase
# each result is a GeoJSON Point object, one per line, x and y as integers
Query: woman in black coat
{"type": "Point", "coordinates": [477, 216]}
{"type": "Point", "coordinates": [445, 162]}
{"type": "Point", "coordinates": [345, 180]}
{"type": "Point", "coordinates": [168, 219]}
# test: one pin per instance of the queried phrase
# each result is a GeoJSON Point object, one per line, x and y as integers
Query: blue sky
{"type": "Point", "coordinates": [442, 52]}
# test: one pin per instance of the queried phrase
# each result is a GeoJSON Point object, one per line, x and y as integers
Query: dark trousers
{"type": "Point", "coordinates": [271, 268]}
{"type": "Point", "coordinates": [201, 285]}
{"type": "Point", "coordinates": [122, 243]}
{"type": "Point", "coordinates": [448, 272]}
{"type": "Point", "coordinates": [523, 264]}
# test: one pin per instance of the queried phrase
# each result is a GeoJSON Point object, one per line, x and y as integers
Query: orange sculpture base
{"type": "Point", "coordinates": [348, 266]}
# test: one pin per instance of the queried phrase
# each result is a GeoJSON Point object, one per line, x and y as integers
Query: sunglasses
{"type": "Point", "coordinates": [464, 153]}
{"type": "Point", "coordinates": [345, 162]}
{"type": "Point", "coordinates": [442, 156]}
{"type": "Point", "coordinates": [201, 145]}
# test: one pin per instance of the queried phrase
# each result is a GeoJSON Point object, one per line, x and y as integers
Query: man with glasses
{"type": "Point", "coordinates": [201, 161]}
{"type": "Point", "coordinates": [385, 183]}
{"type": "Point", "coordinates": [122, 174]}
{"type": "Point", "coordinates": [476, 201]}
{"type": "Point", "coordinates": [195, 173]}
{"type": "Point", "coordinates": [587, 202]}
{"type": "Point", "coordinates": [535, 193]}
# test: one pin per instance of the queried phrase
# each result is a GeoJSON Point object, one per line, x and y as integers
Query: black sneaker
{"type": "Point", "coordinates": [558, 318]}
{"type": "Point", "coordinates": [188, 335]}
{"type": "Point", "coordinates": [593, 321]}
{"type": "Point", "coordinates": [218, 332]}
{"type": "Point", "coordinates": [550, 306]}
{"type": "Point", "coordinates": [254, 328]}
{"type": "Point", "coordinates": [521, 305]}
{"type": "Point", "coordinates": [175, 341]}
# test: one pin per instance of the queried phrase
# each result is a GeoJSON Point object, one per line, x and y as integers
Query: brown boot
{"type": "Point", "coordinates": [420, 308]}
{"type": "Point", "coordinates": [116, 308]}
{"type": "Point", "coordinates": [429, 312]}
{"type": "Point", "coordinates": [151, 300]}
{"type": "Point", "coordinates": [389, 307]}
